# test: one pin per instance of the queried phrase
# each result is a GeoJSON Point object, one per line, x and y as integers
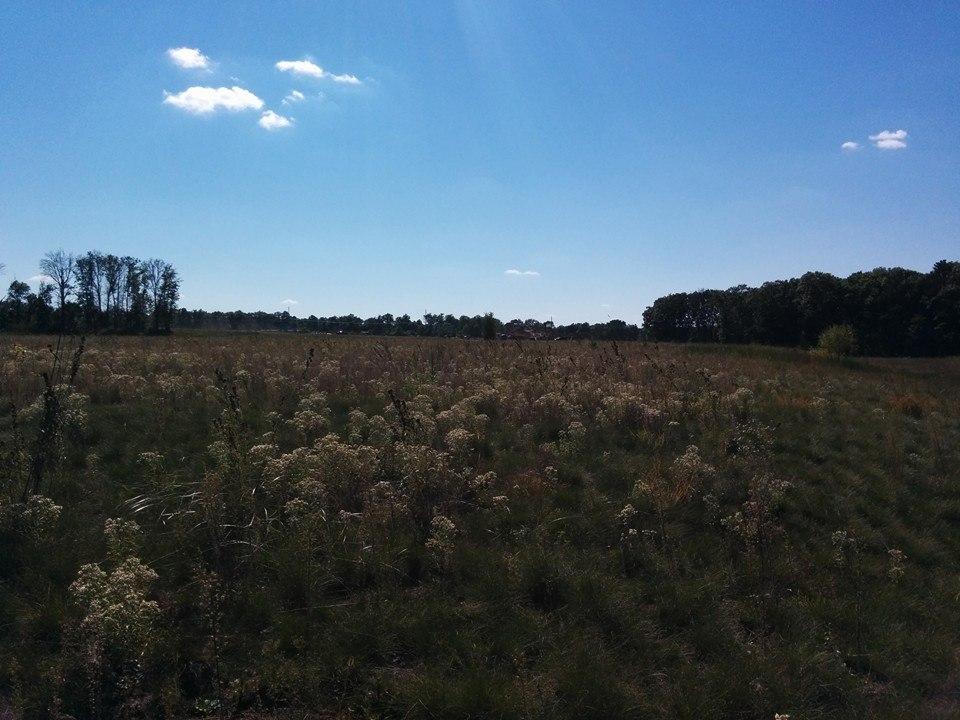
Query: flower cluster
{"type": "Point", "coordinates": [37, 516]}
{"type": "Point", "coordinates": [690, 471]}
{"type": "Point", "coordinates": [443, 533]}
{"type": "Point", "coordinates": [311, 420]}
{"type": "Point", "coordinates": [116, 611]}
{"type": "Point", "coordinates": [844, 547]}
{"type": "Point", "coordinates": [70, 416]}
{"type": "Point", "coordinates": [755, 522]}
{"type": "Point", "coordinates": [896, 561]}
{"type": "Point", "coordinates": [122, 536]}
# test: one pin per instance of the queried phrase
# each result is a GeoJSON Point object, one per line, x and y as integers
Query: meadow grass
{"type": "Point", "coordinates": [311, 526]}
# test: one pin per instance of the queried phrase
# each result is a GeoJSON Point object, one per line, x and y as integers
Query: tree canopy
{"type": "Point", "coordinates": [893, 311]}
{"type": "Point", "coordinates": [94, 292]}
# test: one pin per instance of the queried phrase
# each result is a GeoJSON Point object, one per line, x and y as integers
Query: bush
{"type": "Point", "coordinates": [838, 340]}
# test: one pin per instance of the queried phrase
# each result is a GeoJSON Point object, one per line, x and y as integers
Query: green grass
{"type": "Point", "coordinates": [313, 581]}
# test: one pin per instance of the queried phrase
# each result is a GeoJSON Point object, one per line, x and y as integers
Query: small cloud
{"type": "Point", "coordinates": [206, 100]}
{"type": "Point", "coordinates": [295, 96]}
{"type": "Point", "coordinates": [189, 58]}
{"type": "Point", "coordinates": [345, 79]}
{"type": "Point", "coordinates": [38, 279]}
{"type": "Point", "coordinates": [521, 273]}
{"type": "Point", "coordinates": [272, 121]}
{"type": "Point", "coordinates": [311, 69]}
{"type": "Point", "coordinates": [890, 139]}
{"type": "Point", "coordinates": [850, 146]}
{"type": "Point", "coordinates": [290, 301]}
{"type": "Point", "coordinates": [605, 306]}
{"type": "Point", "coordinates": [300, 67]}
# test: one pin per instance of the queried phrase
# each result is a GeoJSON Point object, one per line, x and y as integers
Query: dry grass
{"type": "Point", "coordinates": [358, 527]}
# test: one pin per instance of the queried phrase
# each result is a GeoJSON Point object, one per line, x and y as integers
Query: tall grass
{"type": "Point", "coordinates": [278, 525]}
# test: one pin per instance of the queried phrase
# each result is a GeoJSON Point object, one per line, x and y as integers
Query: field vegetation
{"type": "Point", "coordinates": [305, 526]}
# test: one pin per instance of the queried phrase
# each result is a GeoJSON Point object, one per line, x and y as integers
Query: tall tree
{"type": "Point", "coordinates": [18, 296]}
{"type": "Point", "coordinates": [134, 296]}
{"type": "Point", "coordinates": [59, 267]}
{"type": "Point", "coordinates": [165, 303]}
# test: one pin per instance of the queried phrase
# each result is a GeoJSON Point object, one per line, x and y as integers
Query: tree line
{"type": "Point", "coordinates": [892, 311]}
{"type": "Point", "coordinates": [431, 325]}
{"type": "Point", "coordinates": [94, 292]}
{"type": "Point", "coordinates": [99, 292]}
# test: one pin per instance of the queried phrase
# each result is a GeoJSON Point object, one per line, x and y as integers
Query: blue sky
{"type": "Point", "coordinates": [610, 152]}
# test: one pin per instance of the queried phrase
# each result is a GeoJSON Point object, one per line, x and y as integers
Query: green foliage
{"type": "Point", "coordinates": [489, 326]}
{"type": "Point", "coordinates": [838, 341]}
{"type": "Point", "coordinates": [271, 526]}
{"type": "Point", "coordinates": [894, 312]}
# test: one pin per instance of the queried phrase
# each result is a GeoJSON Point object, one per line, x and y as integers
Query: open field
{"type": "Point", "coordinates": [410, 528]}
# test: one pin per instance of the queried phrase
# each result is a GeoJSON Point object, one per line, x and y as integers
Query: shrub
{"type": "Point", "coordinates": [838, 341]}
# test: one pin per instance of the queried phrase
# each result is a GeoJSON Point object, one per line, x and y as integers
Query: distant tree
{"type": "Point", "coordinates": [489, 326]}
{"type": "Point", "coordinates": [88, 277]}
{"type": "Point", "coordinates": [161, 287]}
{"type": "Point", "coordinates": [135, 300]}
{"type": "Point", "coordinates": [114, 274]}
{"type": "Point", "coordinates": [821, 302]}
{"type": "Point", "coordinates": [941, 310]}
{"type": "Point", "coordinates": [18, 292]}
{"type": "Point", "coordinates": [59, 267]}
{"type": "Point", "coordinates": [39, 314]}
{"type": "Point", "coordinates": [667, 318]}
{"type": "Point", "coordinates": [15, 305]}
{"type": "Point", "coordinates": [892, 311]}
{"type": "Point", "coordinates": [94, 291]}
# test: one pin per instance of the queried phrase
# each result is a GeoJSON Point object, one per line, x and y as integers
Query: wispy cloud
{"type": "Point", "coordinates": [295, 96]}
{"type": "Point", "coordinates": [850, 146]}
{"type": "Point", "coordinates": [311, 69]}
{"type": "Point", "coordinates": [521, 273]}
{"type": "Point", "coordinates": [189, 58]}
{"type": "Point", "coordinates": [290, 301]}
{"type": "Point", "coordinates": [206, 100]}
{"type": "Point", "coordinates": [890, 139]}
{"type": "Point", "coordinates": [345, 79]}
{"type": "Point", "coordinates": [270, 120]}
{"type": "Point", "coordinates": [37, 279]}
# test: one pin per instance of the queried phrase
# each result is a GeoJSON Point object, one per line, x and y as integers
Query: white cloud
{"type": "Point", "coordinates": [890, 144]}
{"type": "Point", "coordinates": [37, 279]}
{"type": "Point", "coordinates": [344, 79]}
{"type": "Point", "coordinates": [290, 301]}
{"type": "Point", "coordinates": [205, 100]}
{"type": "Point", "coordinates": [271, 121]}
{"type": "Point", "coordinates": [300, 67]}
{"type": "Point", "coordinates": [295, 96]}
{"type": "Point", "coordinates": [189, 58]}
{"type": "Point", "coordinates": [850, 146]}
{"type": "Point", "coordinates": [521, 273]}
{"type": "Point", "coordinates": [307, 67]}
{"type": "Point", "coordinates": [890, 139]}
